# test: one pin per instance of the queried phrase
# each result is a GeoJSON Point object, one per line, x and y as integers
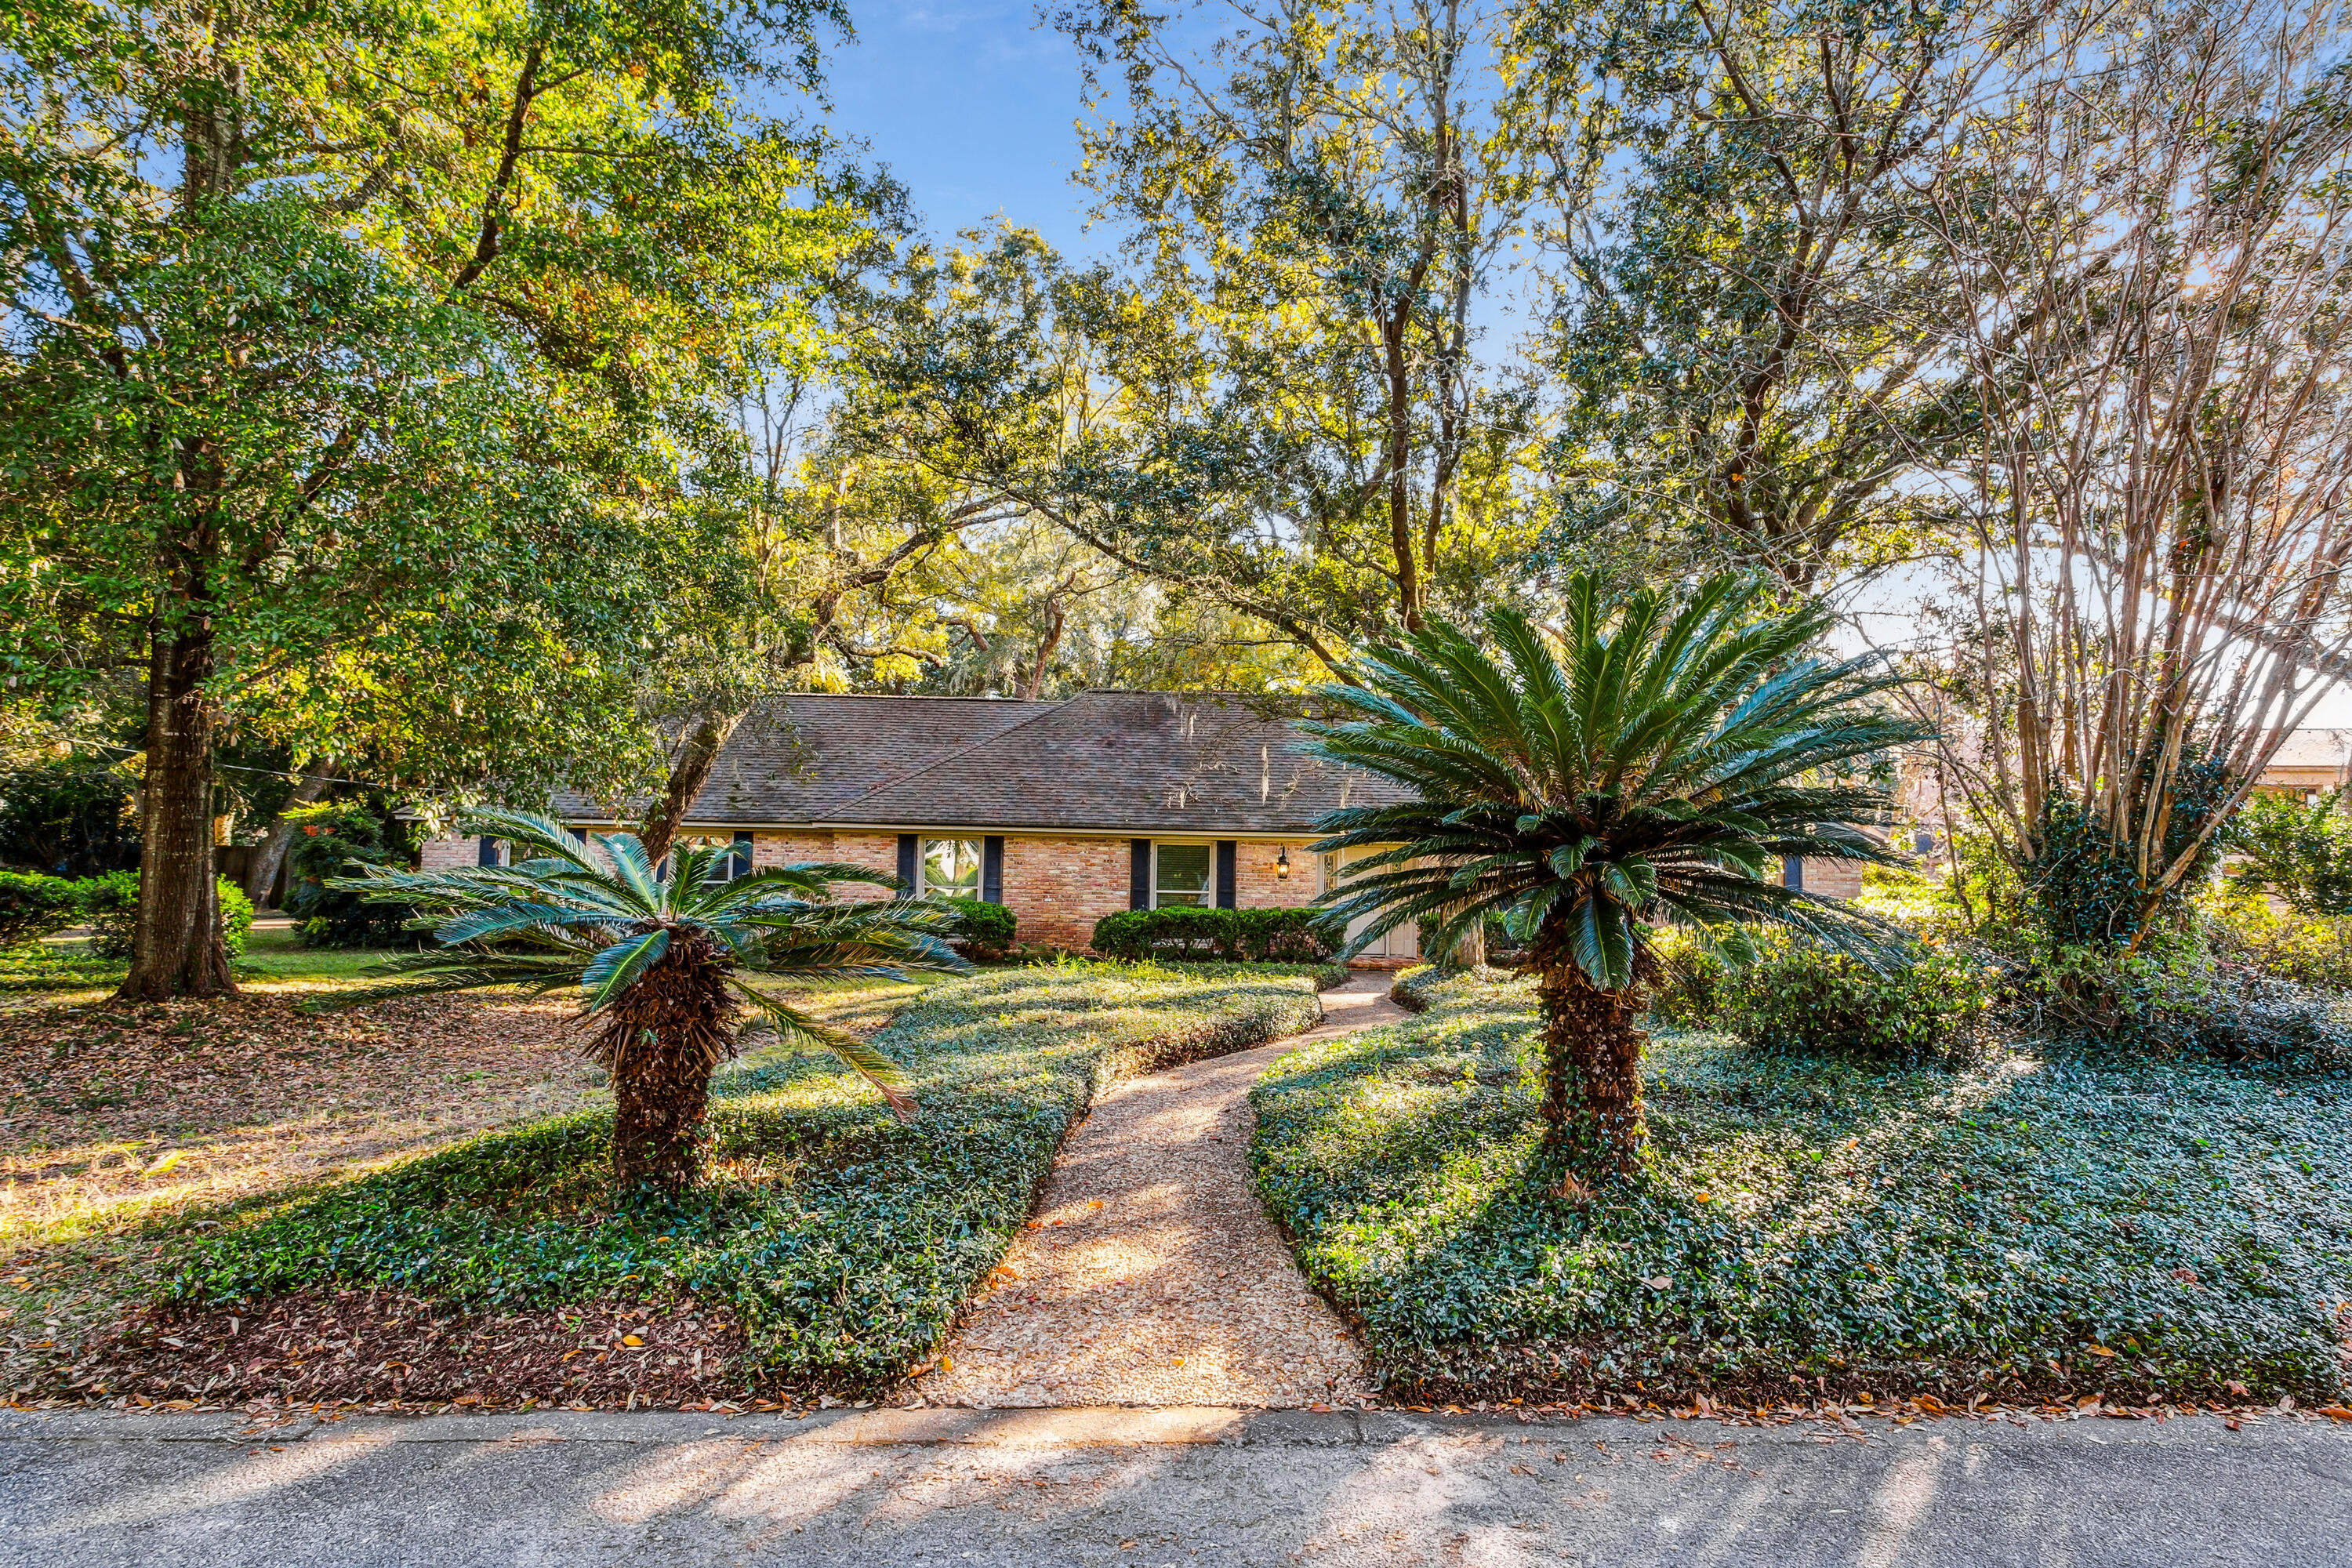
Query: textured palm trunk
{"type": "Point", "coordinates": [1593, 1076]}
{"type": "Point", "coordinates": [658, 1111]}
{"type": "Point", "coordinates": [666, 1036]}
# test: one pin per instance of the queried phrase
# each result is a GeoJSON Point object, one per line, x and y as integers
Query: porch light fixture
{"type": "Point", "coordinates": [1282, 865]}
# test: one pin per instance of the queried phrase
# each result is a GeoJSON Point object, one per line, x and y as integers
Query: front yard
{"type": "Point", "coordinates": [829, 1250]}
{"type": "Point", "coordinates": [2034, 1227]}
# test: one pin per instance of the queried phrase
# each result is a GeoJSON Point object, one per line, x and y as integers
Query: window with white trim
{"type": "Point", "coordinates": [949, 869]}
{"type": "Point", "coordinates": [1182, 874]}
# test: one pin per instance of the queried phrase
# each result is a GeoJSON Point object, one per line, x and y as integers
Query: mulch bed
{"type": "Point", "coordinates": [380, 1347]}
{"type": "Point", "coordinates": [130, 1071]}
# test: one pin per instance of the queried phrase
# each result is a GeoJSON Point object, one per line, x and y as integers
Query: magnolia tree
{"type": "Point", "coordinates": [2152, 583]}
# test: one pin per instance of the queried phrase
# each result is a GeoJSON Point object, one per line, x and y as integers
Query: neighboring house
{"type": "Point", "coordinates": [1062, 812]}
{"type": "Point", "coordinates": [2309, 764]}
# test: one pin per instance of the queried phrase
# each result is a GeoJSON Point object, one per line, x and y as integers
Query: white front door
{"type": "Point", "coordinates": [1403, 941]}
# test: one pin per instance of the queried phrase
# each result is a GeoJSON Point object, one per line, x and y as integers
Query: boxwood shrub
{"type": "Point", "coordinates": [34, 906]}
{"type": "Point", "coordinates": [110, 904]}
{"type": "Point", "coordinates": [846, 1239]}
{"type": "Point", "coordinates": [1184, 933]}
{"type": "Point", "coordinates": [984, 930]}
{"type": "Point", "coordinates": [2036, 1224]}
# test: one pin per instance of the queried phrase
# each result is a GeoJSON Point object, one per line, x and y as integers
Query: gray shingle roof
{"type": "Point", "coordinates": [1146, 762]}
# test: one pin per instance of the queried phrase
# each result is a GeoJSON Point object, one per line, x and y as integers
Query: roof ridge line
{"type": "Point", "coordinates": [941, 762]}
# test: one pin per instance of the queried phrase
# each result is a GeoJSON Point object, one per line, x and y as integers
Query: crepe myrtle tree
{"type": "Point", "coordinates": [659, 956]}
{"type": "Point", "coordinates": [1650, 763]}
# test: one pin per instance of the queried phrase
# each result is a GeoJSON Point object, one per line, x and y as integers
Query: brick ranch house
{"type": "Point", "coordinates": [1062, 812]}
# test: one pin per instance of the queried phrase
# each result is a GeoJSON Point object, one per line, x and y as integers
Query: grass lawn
{"type": "Point", "coordinates": [829, 1250]}
{"type": "Point", "coordinates": [2033, 1227]}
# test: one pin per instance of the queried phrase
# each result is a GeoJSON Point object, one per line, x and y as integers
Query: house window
{"type": "Point", "coordinates": [1792, 873]}
{"type": "Point", "coordinates": [727, 867]}
{"type": "Point", "coordinates": [950, 868]}
{"type": "Point", "coordinates": [1180, 873]}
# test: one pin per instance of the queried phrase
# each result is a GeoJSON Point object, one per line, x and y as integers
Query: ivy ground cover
{"type": "Point", "coordinates": [828, 1251]}
{"type": "Point", "coordinates": [2032, 1225]}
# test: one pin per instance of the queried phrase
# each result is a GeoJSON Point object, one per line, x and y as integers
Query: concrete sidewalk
{"type": "Point", "coordinates": [905, 1489]}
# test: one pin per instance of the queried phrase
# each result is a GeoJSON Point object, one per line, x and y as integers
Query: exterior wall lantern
{"type": "Point", "coordinates": [1282, 865]}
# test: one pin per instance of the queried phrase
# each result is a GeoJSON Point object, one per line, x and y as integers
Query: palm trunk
{"type": "Point", "coordinates": [663, 1041]}
{"type": "Point", "coordinates": [1593, 1076]}
{"type": "Point", "coordinates": [176, 947]}
{"type": "Point", "coordinates": [659, 1109]}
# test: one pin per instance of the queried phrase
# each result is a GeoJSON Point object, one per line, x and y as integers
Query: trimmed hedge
{"type": "Point", "coordinates": [984, 929]}
{"type": "Point", "coordinates": [2035, 1225]}
{"type": "Point", "coordinates": [110, 904]}
{"type": "Point", "coordinates": [846, 1239]}
{"type": "Point", "coordinates": [33, 906]}
{"type": "Point", "coordinates": [1190, 934]}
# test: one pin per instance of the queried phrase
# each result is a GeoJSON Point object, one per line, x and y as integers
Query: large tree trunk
{"type": "Point", "coordinates": [176, 948]}
{"type": "Point", "coordinates": [1593, 1076]}
{"type": "Point", "coordinates": [263, 873]}
{"type": "Point", "coordinates": [689, 770]}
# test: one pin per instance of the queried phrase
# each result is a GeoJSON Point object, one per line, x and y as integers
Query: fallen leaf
{"type": "Point", "coordinates": [2101, 1350]}
{"type": "Point", "coordinates": [1659, 1281]}
{"type": "Point", "coordinates": [631, 1339]}
{"type": "Point", "coordinates": [2336, 1412]}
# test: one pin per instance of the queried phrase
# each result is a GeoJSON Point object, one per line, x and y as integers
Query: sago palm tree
{"type": "Point", "coordinates": [658, 956]}
{"type": "Point", "coordinates": [1652, 763]}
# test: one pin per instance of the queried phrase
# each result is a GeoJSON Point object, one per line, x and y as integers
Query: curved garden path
{"type": "Point", "coordinates": [1150, 1274]}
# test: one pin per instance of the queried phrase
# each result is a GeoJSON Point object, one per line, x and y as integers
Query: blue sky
{"type": "Point", "coordinates": [974, 107]}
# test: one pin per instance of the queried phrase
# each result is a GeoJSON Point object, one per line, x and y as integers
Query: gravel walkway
{"type": "Point", "coordinates": [1150, 1274]}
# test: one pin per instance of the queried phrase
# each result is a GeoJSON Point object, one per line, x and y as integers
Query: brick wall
{"type": "Point", "coordinates": [446, 853]}
{"type": "Point", "coordinates": [1833, 879]}
{"type": "Point", "coordinates": [879, 851]}
{"type": "Point", "coordinates": [1256, 886]}
{"type": "Point", "coordinates": [1057, 888]}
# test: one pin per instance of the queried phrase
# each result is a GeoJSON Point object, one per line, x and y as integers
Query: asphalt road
{"type": "Point", "coordinates": [1011, 1488]}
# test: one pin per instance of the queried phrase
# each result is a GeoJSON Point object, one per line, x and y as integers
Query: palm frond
{"type": "Point", "coordinates": [791, 1025]}
{"type": "Point", "coordinates": [1647, 765]}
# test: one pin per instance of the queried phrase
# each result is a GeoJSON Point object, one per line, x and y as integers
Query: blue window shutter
{"type": "Point", "coordinates": [992, 869]}
{"type": "Point", "coordinates": [742, 866]}
{"type": "Point", "coordinates": [1228, 872]}
{"type": "Point", "coordinates": [907, 852]}
{"type": "Point", "coordinates": [1138, 874]}
{"type": "Point", "coordinates": [487, 852]}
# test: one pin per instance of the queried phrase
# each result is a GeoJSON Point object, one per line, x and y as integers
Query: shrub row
{"type": "Point", "coordinates": [110, 906]}
{"type": "Point", "coordinates": [1793, 995]}
{"type": "Point", "coordinates": [33, 907]}
{"type": "Point", "coordinates": [2017, 1226]}
{"type": "Point", "coordinates": [845, 1239]}
{"type": "Point", "coordinates": [1187, 935]}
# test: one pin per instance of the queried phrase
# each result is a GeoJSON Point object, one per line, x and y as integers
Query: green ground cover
{"type": "Point", "coordinates": [844, 1239]}
{"type": "Point", "coordinates": [2033, 1222]}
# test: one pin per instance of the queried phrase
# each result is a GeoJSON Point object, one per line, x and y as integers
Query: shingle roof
{"type": "Point", "coordinates": [1139, 761]}
{"type": "Point", "coordinates": [2315, 748]}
